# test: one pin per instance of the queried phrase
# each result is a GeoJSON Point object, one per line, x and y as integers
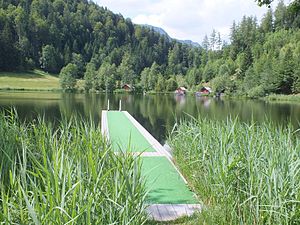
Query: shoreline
{"type": "Point", "coordinates": [293, 98]}
{"type": "Point", "coordinates": [40, 81]}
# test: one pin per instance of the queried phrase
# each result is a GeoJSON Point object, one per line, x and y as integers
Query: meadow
{"type": "Point", "coordinates": [245, 173]}
{"type": "Point", "coordinates": [30, 80]}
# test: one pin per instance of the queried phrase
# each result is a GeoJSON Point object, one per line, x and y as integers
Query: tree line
{"type": "Point", "coordinates": [263, 57]}
{"type": "Point", "coordinates": [80, 40]}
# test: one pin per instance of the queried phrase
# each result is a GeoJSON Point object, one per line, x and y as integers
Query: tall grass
{"type": "Point", "coordinates": [284, 98]}
{"type": "Point", "coordinates": [65, 175]}
{"type": "Point", "coordinates": [245, 174]}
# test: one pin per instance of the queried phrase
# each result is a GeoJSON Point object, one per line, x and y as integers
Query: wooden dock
{"type": "Point", "coordinates": [169, 196]}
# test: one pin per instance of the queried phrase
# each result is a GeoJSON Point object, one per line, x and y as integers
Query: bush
{"type": "Point", "coordinates": [256, 92]}
{"type": "Point", "coordinates": [220, 83]}
{"type": "Point", "coordinates": [171, 84]}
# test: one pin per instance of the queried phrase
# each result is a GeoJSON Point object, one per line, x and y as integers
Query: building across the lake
{"type": "Point", "coordinates": [181, 91]}
{"type": "Point", "coordinates": [127, 87]}
{"type": "Point", "coordinates": [204, 91]}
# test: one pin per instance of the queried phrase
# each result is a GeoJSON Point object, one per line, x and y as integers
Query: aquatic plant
{"type": "Point", "coordinates": [244, 173]}
{"type": "Point", "coordinates": [65, 174]}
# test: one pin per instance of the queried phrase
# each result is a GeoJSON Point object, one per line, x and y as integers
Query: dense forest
{"type": "Point", "coordinates": [80, 40]}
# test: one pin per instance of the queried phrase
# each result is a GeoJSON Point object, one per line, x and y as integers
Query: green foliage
{"type": "Point", "coordinates": [262, 58]}
{"type": "Point", "coordinates": [52, 34]}
{"type": "Point", "coordinates": [180, 80]}
{"type": "Point", "coordinates": [9, 53]}
{"type": "Point", "coordinates": [89, 76]}
{"type": "Point", "coordinates": [171, 84]}
{"type": "Point", "coordinates": [296, 84]}
{"type": "Point", "coordinates": [108, 73]}
{"type": "Point", "coordinates": [264, 2]}
{"type": "Point", "coordinates": [66, 174]}
{"type": "Point", "coordinates": [193, 77]}
{"type": "Point", "coordinates": [283, 98]}
{"type": "Point", "coordinates": [267, 22]}
{"type": "Point", "coordinates": [220, 83]}
{"type": "Point", "coordinates": [257, 91]}
{"type": "Point", "coordinates": [126, 70]}
{"type": "Point", "coordinates": [160, 84]}
{"type": "Point", "coordinates": [77, 60]}
{"type": "Point", "coordinates": [245, 173]}
{"type": "Point", "coordinates": [209, 71]}
{"type": "Point", "coordinates": [144, 78]}
{"type": "Point", "coordinates": [48, 59]}
{"type": "Point", "coordinates": [67, 77]}
{"type": "Point", "coordinates": [286, 70]}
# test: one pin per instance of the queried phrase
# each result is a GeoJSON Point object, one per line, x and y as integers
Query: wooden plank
{"type": "Point", "coordinates": [142, 154]}
{"type": "Point", "coordinates": [153, 212]}
{"type": "Point", "coordinates": [165, 212]}
{"type": "Point", "coordinates": [104, 124]}
{"type": "Point", "coordinates": [169, 212]}
{"type": "Point", "coordinates": [150, 154]}
{"type": "Point", "coordinates": [191, 208]}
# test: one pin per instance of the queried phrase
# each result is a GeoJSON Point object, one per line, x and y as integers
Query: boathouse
{"type": "Point", "coordinates": [127, 87]}
{"type": "Point", "coordinates": [181, 91]}
{"type": "Point", "coordinates": [205, 90]}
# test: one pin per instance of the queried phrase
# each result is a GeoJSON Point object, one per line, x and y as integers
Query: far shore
{"type": "Point", "coordinates": [40, 81]}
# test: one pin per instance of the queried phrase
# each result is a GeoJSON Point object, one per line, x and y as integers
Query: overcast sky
{"type": "Point", "coordinates": [186, 19]}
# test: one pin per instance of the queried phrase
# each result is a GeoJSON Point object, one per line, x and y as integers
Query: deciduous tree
{"type": "Point", "coordinates": [67, 77]}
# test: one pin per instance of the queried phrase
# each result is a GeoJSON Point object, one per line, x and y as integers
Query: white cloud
{"type": "Point", "coordinates": [154, 20]}
{"type": "Point", "coordinates": [186, 19]}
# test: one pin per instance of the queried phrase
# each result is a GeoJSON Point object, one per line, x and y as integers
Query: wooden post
{"type": "Point", "coordinates": [120, 105]}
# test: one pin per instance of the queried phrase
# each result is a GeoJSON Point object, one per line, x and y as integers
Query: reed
{"type": "Point", "coordinates": [283, 98]}
{"type": "Point", "coordinates": [244, 173]}
{"type": "Point", "coordinates": [66, 175]}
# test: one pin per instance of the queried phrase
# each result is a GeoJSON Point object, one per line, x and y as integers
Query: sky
{"type": "Point", "coordinates": [187, 19]}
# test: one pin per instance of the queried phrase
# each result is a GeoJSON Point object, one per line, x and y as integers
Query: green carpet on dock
{"type": "Point", "coordinates": [164, 183]}
{"type": "Point", "coordinates": [124, 135]}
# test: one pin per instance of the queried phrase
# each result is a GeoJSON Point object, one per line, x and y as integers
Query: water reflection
{"type": "Point", "coordinates": [157, 113]}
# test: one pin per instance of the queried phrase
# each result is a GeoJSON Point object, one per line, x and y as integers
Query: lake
{"type": "Point", "coordinates": [157, 113]}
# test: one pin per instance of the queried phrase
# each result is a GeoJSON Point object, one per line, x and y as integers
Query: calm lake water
{"type": "Point", "coordinates": [157, 113]}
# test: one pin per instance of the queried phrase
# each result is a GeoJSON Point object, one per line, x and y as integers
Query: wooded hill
{"type": "Point", "coordinates": [80, 39]}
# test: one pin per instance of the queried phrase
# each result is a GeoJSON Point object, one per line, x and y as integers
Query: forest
{"type": "Point", "coordinates": [80, 40]}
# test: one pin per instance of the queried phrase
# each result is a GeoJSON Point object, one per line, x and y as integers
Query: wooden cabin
{"type": "Point", "coordinates": [181, 91]}
{"type": "Point", "coordinates": [127, 87]}
{"type": "Point", "coordinates": [204, 91]}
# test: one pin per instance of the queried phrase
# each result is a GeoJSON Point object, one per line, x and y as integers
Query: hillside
{"type": "Point", "coordinates": [51, 34]}
{"type": "Point", "coordinates": [164, 33]}
{"type": "Point", "coordinates": [107, 50]}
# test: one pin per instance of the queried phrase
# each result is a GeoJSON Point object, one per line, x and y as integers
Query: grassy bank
{"type": "Point", "coordinates": [32, 80]}
{"type": "Point", "coordinates": [245, 174]}
{"type": "Point", "coordinates": [65, 175]}
{"type": "Point", "coordinates": [285, 98]}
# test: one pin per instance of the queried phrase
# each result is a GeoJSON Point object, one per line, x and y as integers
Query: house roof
{"type": "Point", "coordinates": [126, 85]}
{"type": "Point", "coordinates": [208, 88]}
